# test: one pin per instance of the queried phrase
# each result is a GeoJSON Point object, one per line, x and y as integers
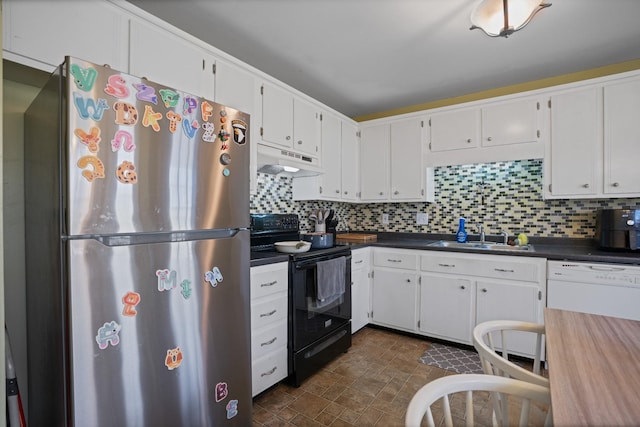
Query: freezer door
{"type": "Point", "coordinates": [160, 333]}
{"type": "Point", "coordinates": [142, 157]}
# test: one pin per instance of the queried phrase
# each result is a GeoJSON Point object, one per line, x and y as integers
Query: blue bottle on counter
{"type": "Point", "coordinates": [461, 235]}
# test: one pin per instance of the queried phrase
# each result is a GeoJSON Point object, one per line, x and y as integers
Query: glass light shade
{"type": "Point", "coordinates": [290, 169]}
{"type": "Point", "coordinates": [489, 15]}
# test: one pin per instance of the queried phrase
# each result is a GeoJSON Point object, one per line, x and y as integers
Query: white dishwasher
{"type": "Point", "coordinates": [606, 289]}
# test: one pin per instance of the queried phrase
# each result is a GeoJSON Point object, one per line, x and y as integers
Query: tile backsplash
{"type": "Point", "coordinates": [500, 196]}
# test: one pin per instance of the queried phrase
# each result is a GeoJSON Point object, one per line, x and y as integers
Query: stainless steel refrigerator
{"type": "Point", "coordinates": [137, 249]}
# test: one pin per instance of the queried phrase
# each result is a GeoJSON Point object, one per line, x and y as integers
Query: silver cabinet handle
{"type": "Point", "coordinates": [446, 265]}
{"type": "Point", "coordinates": [271, 313]}
{"type": "Point", "coordinates": [300, 142]}
{"type": "Point", "coordinates": [469, 141]}
{"type": "Point", "coordinates": [462, 287]}
{"type": "Point", "coordinates": [489, 138]}
{"type": "Point", "coordinates": [484, 289]}
{"type": "Point", "coordinates": [265, 374]}
{"type": "Point", "coordinates": [394, 260]}
{"type": "Point", "coordinates": [337, 191]}
{"type": "Point", "coordinates": [271, 341]}
{"type": "Point", "coordinates": [288, 138]}
{"type": "Point", "coordinates": [503, 270]}
{"type": "Point", "coordinates": [616, 184]}
{"type": "Point", "coordinates": [264, 285]}
{"type": "Point", "coordinates": [585, 185]}
{"type": "Point", "coordinates": [359, 262]}
{"type": "Point", "coordinates": [381, 193]}
{"type": "Point", "coordinates": [346, 192]}
{"type": "Point", "coordinates": [396, 192]}
{"type": "Point", "coordinates": [408, 280]}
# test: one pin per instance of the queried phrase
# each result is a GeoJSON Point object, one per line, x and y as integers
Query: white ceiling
{"type": "Point", "coordinates": [368, 56]}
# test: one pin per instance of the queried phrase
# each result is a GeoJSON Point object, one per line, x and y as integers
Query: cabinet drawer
{"type": "Point", "coordinates": [268, 310]}
{"type": "Point", "coordinates": [395, 259]}
{"type": "Point", "coordinates": [269, 339]}
{"type": "Point", "coordinates": [268, 370]}
{"type": "Point", "coordinates": [359, 258]}
{"type": "Point", "coordinates": [269, 279]}
{"type": "Point", "coordinates": [493, 266]}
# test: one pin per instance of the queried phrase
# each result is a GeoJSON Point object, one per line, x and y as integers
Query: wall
{"type": "Point", "coordinates": [500, 196]}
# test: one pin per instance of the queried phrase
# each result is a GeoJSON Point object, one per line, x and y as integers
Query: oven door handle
{"type": "Point", "coordinates": [313, 264]}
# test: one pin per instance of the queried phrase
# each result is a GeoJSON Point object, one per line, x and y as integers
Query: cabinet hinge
{"type": "Point", "coordinates": [429, 122]}
{"type": "Point", "coordinates": [539, 295]}
{"type": "Point", "coordinates": [358, 134]}
{"type": "Point", "coordinates": [214, 68]}
{"type": "Point", "coordinates": [203, 64]}
{"type": "Point", "coordinates": [422, 192]}
{"type": "Point", "coordinates": [262, 90]}
{"type": "Point", "coordinates": [538, 133]}
{"type": "Point", "coordinates": [549, 103]}
{"type": "Point", "coordinates": [418, 323]}
{"type": "Point", "coordinates": [420, 280]}
{"type": "Point", "coordinates": [320, 189]}
{"type": "Point", "coordinates": [372, 278]}
{"type": "Point", "coordinates": [537, 105]}
{"type": "Point", "coordinates": [429, 146]}
{"type": "Point", "coordinates": [261, 131]}
{"type": "Point", "coordinates": [421, 123]}
{"type": "Point", "coordinates": [549, 188]}
{"type": "Point", "coordinates": [320, 116]}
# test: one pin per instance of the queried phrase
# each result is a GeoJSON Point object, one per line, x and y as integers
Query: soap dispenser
{"type": "Point", "coordinates": [461, 235]}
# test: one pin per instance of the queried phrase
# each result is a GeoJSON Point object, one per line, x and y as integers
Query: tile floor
{"type": "Point", "coordinates": [370, 385]}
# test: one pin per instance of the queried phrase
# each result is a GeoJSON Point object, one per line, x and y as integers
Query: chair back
{"type": "Point", "coordinates": [475, 386]}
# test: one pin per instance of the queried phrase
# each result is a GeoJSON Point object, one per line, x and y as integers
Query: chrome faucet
{"type": "Point", "coordinates": [505, 236]}
{"type": "Point", "coordinates": [481, 231]}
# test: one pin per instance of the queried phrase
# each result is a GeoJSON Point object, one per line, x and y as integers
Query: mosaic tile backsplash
{"type": "Point", "coordinates": [499, 196]}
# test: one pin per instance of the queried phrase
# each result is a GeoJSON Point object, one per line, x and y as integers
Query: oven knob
{"type": "Point", "coordinates": [630, 222]}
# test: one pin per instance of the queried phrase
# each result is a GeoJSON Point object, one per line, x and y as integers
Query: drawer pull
{"type": "Point", "coordinates": [266, 374]}
{"type": "Point", "coordinates": [504, 270]}
{"type": "Point", "coordinates": [359, 262]}
{"type": "Point", "coordinates": [271, 313]}
{"type": "Point", "coordinates": [462, 287]}
{"type": "Point", "coordinates": [394, 260]}
{"type": "Point", "coordinates": [447, 265]}
{"type": "Point", "coordinates": [484, 290]}
{"type": "Point", "coordinates": [271, 341]}
{"type": "Point", "coordinates": [263, 285]}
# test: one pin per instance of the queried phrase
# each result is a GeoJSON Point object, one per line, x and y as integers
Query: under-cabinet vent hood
{"type": "Point", "coordinates": [274, 161]}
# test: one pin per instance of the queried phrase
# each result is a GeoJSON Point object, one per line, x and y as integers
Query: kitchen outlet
{"type": "Point", "coordinates": [422, 219]}
{"type": "Point", "coordinates": [385, 218]}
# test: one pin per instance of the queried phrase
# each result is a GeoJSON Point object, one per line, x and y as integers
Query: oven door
{"type": "Point", "coordinates": [312, 319]}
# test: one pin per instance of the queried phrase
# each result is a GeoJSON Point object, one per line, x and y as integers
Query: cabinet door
{"type": "Point", "coordinates": [447, 307]}
{"type": "Point", "coordinates": [407, 172]}
{"type": "Point", "coordinates": [512, 122]}
{"type": "Point", "coordinates": [277, 115]}
{"type": "Point", "coordinates": [394, 299]}
{"type": "Point", "coordinates": [360, 296]}
{"type": "Point", "coordinates": [622, 137]}
{"type": "Point", "coordinates": [239, 89]}
{"type": "Point", "coordinates": [331, 149]}
{"type": "Point", "coordinates": [47, 31]}
{"type": "Point", "coordinates": [190, 69]}
{"type": "Point", "coordinates": [374, 163]}
{"type": "Point", "coordinates": [306, 127]}
{"type": "Point", "coordinates": [350, 163]}
{"type": "Point", "coordinates": [576, 141]}
{"type": "Point", "coordinates": [509, 301]}
{"type": "Point", "coordinates": [455, 130]}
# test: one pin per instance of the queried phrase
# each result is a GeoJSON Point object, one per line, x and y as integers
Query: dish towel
{"type": "Point", "coordinates": [330, 278]}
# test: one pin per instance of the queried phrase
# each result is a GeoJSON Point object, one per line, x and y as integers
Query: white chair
{"type": "Point", "coordinates": [471, 385]}
{"type": "Point", "coordinates": [492, 336]}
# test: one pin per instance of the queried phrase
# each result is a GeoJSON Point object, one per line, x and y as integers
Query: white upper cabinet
{"type": "Point", "coordinates": [455, 130]}
{"type": "Point", "coordinates": [331, 186]}
{"type": "Point", "coordinates": [191, 69]}
{"type": "Point", "coordinates": [40, 34]}
{"type": "Point", "coordinates": [240, 89]}
{"type": "Point", "coordinates": [514, 122]}
{"type": "Point", "coordinates": [622, 138]}
{"type": "Point", "coordinates": [407, 170]}
{"type": "Point", "coordinates": [290, 121]}
{"type": "Point", "coordinates": [374, 163]}
{"type": "Point", "coordinates": [595, 144]}
{"type": "Point", "coordinates": [350, 162]}
{"type": "Point", "coordinates": [575, 158]}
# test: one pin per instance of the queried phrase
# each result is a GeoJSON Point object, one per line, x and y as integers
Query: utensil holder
{"type": "Point", "coordinates": [321, 228]}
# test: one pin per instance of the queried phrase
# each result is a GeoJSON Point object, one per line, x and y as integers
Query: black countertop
{"type": "Point", "coordinates": [551, 248]}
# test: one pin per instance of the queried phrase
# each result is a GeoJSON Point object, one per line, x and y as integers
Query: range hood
{"type": "Point", "coordinates": [274, 161]}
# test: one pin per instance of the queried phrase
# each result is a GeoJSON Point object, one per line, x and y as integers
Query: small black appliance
{"type": "Point", "coordinates": [618, 229]}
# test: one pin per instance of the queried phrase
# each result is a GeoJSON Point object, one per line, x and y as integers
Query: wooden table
{"type": "Point", "coordinates": [594, 369]}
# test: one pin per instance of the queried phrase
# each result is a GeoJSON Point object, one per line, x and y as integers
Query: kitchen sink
{"type": "Point", "coordinates": [491, 246]}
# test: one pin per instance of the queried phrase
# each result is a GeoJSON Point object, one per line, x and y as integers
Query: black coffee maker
{"type": "Point", "coordinates": [618, 229]}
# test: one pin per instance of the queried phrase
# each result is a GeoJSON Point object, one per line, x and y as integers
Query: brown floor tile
{"type": "Point", "coordinates": [309, 405]}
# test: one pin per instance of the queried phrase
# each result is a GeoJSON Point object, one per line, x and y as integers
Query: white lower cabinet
{"type": "Point", "coordinates": [440, 297]}
{"type": "Point", "coordinates": [395, 288]}
{"type": "Point", "coordinates": [269, 302]}
{"type": "Point", "coordinates": [459, 291]}
{"type": "Point", "coordinates": [360, 288]}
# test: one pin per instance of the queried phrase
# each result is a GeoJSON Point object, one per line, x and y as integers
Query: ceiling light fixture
{"type": "Point", "coordinates": [500, 18]}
